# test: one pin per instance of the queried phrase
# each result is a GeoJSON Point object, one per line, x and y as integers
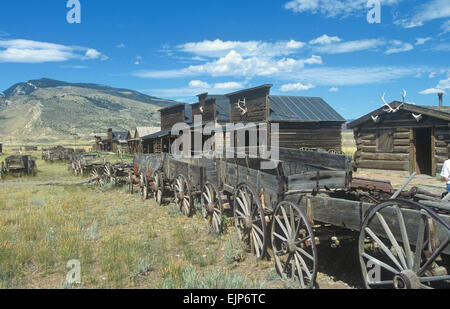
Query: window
{"type": "Point", "coordinates": [385, 140]}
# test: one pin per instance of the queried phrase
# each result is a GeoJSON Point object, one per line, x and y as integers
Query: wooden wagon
{"type": "Point", "coordinates": [307, 199]}
{"type": "Point", "coordinates": [18, 165]}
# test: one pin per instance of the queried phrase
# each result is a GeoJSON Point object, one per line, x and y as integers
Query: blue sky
{"type": "Point", "coordinates": [177, 49]}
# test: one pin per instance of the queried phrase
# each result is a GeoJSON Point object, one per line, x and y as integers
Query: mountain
{"type": "Point", "coordinates": [47, 110]}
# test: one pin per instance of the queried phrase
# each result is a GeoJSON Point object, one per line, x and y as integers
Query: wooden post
{"type": "Point", "coordinates": [433, 153]}
{"type": "Point", "coordinates": [412, 152]}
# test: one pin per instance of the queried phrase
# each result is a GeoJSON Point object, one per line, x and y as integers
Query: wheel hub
{"type": "Point", "coordinates": [288, 247]}
{"type": "Point", "coordinates": [248, 222]}
{"type": "Point", "coordinates": [407, 280]}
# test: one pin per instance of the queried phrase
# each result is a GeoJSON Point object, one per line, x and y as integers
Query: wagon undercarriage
{"type": "Point", "coordinates": [310, 199]}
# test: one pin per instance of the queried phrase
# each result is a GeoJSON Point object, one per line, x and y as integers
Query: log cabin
{"type": "Point", "coordinates": [403, 137]}
{"type": "Point", "coordinates": [304, 122]}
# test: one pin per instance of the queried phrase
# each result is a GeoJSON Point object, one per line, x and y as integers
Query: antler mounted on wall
{"type": "Point", "coordinates": [241, 105]}
{"type": "Point", "coordinates": [202, 109]}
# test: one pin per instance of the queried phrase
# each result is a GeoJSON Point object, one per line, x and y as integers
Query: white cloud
{"type": "Point", "coordinates": [344, 76]}
{"type": "Point", "coordinates": [77, 67]}
{"type": "Point", "coordinates": [431, 91]}
{"type": "Point", "coordinates": [421, 41]}
{"type": "Point", "coordinates": [398, 47]}
{"type": "Point", "coordinates": [441, 87]}
{"type": "Point", "coordinates": [196, 87]}
{"type": "Point", "coordinates": [198, 84]}
{"type": "Point", "coordinates": [27, 51]}
{"type": "Point", "coordinates": [431, 10]}
{"type": "Point", "coordinates": [350, 46]}
{"type": "Point", "coordinates": [325, 39]}
{"type": "Point", "coordinates": [296, 87]}
{"type": "Point", "coordinates": [121, 45]}
{"type": "Point", "coordinates": [334, 89]}
{"type": "Point", "coordinates": [233, 64]}
{"type": "Point", "coordinates": [446, 26]}
{"type": "Point", "coordinates": [219, 48]}
{"type": "Point", "coordinates": [228, 85]}
{"type": "Point", "coordinates": [333, 8]}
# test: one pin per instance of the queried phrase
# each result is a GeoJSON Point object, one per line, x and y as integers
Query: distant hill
{"type": "Point", "coordinates": [47, 110]}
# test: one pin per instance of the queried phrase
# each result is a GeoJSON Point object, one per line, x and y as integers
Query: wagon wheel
{"type": "Point", "coordinates": [249, 219]}
{"type": "Point", "coordinates": [293, 245]}
{"type": "Point", "coordinates": [96, 178]}
{"type": "Point", "coordinates": [143, 183]}
{"type": "Point", "coordinates": [74, 168]}
{"type": "Point", "coordinates": [397, 248]}
{"type": "Point", "coordinates": [130, 183]}
{"type": "Point", "coordinates": [333, 151]}
{"type": "Point", "coordinates": [108, 173]}
{"type": "Point", "coordinates": [158, 188]}
{"type": "Point", "coordinates": [212, 207]}
{"type": "Point", "coordinates": [183, 196]}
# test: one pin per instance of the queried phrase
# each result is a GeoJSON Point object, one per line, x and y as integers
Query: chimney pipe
{"type": "Point", "coordinates": [440, 95]}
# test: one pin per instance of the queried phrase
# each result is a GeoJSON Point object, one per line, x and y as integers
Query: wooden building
{"type": "Point", "coordinates": [304, 122]}
{"type": "Point", "coordinates": [112, 141]}
{"type": "Point", "coordinates": [135, 142]}
{"type": "Point", "coordinates": [214, 110]}
{"type": "Point", "coordinates": [403, 137]}
{"type": "Point", "coordinates": [162, 140]}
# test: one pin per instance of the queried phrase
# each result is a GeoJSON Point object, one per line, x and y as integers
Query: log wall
{"type": "Point", "coordinates": [402, 156]}
{"type": "Point", "coordinates": [321, 135]}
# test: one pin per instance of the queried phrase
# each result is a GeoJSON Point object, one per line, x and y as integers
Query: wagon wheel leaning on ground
{"type": "Point", "coordinates": [293, 245]}
{"type": "Point", "coordinates": [158, 187]}
{"type": "Point", "coordinates": [397, 248]}
{"type": "Point", "coordinates": [212, 207]}
{"type": "Point", "coordinates": [249, 219]}
{"type": "Point", "coordinates": [96, 178]}
{"type": "Point", "coordinates": [183, 195]}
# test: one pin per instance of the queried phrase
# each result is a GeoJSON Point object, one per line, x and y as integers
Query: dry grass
{"type": "Point", "coordinates": [121, 241]}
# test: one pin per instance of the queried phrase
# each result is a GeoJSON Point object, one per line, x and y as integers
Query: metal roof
{"type": "Point", "coordinates": [287, 108]}
{"type": "Point", "coordinates": [144, 131]}
{"type": "Point", "coordinates": [156, 135]}
{"type": "Point", "coordinates": [120, 136]}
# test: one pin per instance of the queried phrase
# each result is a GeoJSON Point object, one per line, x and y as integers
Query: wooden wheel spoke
{"type": "Point", "coordinates": [258, 230]}
{"type": "Point", "coordinates": [384, 248]}
{"type": "Point", "coordinates": [286, 220]}
{"type": "Point", "coordinates": [378, 262]}
{"type": "Point", "coordinates": [405, 238]}
{"type": "Point", "coordinates": [258, 238]}
{"type": "Point", "coordinates": [242, 206]}
{"type": "Point", "coordinates": [305, 267]}
{"type": "Point", "coordinates": [433, 257]}
{"type": "Point", "coordinates": [419, 244]}
{"type": "Point", "coordinates": [299, 271]}
{"type": "Point", "coordinates": [283, 228]}
{"type": "Point", "coordinates": [300, 250]}
{"type": "Point", "coordinates": [394, 242]}
{"type": "Point", "coordinates": [279, 236]}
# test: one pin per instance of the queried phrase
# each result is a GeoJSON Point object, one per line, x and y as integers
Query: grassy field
{"type": "Point", "coordinates": [120, 241]}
